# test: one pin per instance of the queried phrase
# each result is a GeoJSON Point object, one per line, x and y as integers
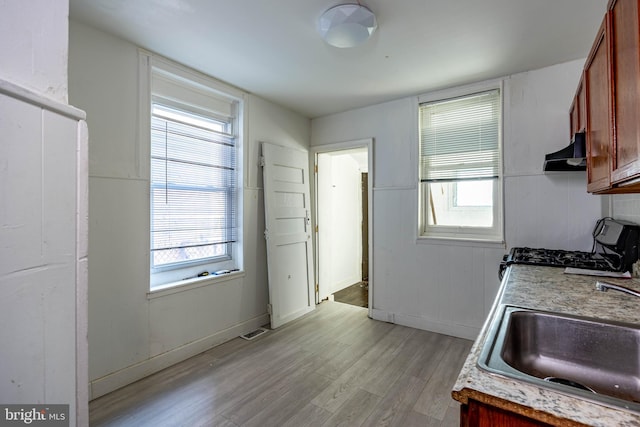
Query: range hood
{"type": "Point", "coordinates": [570, 158]}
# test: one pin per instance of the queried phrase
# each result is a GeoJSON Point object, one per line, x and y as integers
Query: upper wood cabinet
{"type": "Point", "coordinates": [598, 107]}
{"type": "Point", "coordinates": [578, 112]}
{"type": "Point", "coordinates": [625, 70]}
{"type": "Point", "coordinates": [611, 82]}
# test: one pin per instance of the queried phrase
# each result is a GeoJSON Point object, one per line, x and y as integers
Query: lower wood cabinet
{"type": "Point", "coordinates": [477, 414]}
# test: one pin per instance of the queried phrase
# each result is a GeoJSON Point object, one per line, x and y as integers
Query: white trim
{"type": "Point", "coordinates": [496, 234]}
{"type": "Point", "coordinates": [462, 91]}
{"type": "Point", "coordinates": [143, 168]}
{"type": "Point", "coordinates": [452, 329]}
{"type": "Point", "coordinates": [341, 146]}
{"type": "Point", "coordinates": [403, 188]}
{"type": "Point", "coordinates": [466, 242]}
{"type": "Point", "coordinates": [188, 284]}
{"type": "Point", "coordinates": [27, 95]}
{"type": "Point", "coordinates": [130, 374]}
{"type": "Point", "coordinates": [82, 275]}
{"type": "Point", "coordinates": [193, 76]}
{"type": "Point", "coordinates": [150, 64]}
{"type": "Point", "coordinates": [118, 178]}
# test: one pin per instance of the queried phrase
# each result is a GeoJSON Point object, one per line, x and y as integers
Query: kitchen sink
{"type": "Point", "coordinates": [584, 357]}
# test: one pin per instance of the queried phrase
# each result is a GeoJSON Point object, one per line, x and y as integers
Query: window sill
{"type": "Point", "coordinates": [461, 241]}
{"type": "Point", "coordinates": [189, 284]}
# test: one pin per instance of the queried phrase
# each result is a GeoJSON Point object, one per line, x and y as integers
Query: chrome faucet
{"type": "Point", "coordinates": [605, 286]}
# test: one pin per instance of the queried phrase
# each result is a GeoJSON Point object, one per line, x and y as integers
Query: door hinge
{"type": "Point", "coordinates": [269, 309]}
{"type": "Point", "coordinates": [317, 287]}
{"type": "Point", "coordinates": [316, 168]}
{"type": "Point", "coordinates": [316, 228]}
{"type": "Point", "coordinates": [262, 162]}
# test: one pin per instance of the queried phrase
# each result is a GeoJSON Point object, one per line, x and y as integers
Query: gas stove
{"type": "Point", "coordinates": [618, 242]}
{"type": "Point", "coordinates": [562, 258]}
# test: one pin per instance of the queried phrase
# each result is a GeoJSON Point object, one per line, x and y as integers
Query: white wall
{"type": "Point", "coordinates": [626, 207]}
{"type": "Point", "coordinates": [131, 335]}
{"type": "Point", "coordinates": [43, 216]}
{"type": "Point", "coordinates": [553, 209]}
{"type": "Point", "coordinates": [339, 221]}
{"type": "Point", "coordinates": [33, 45]}
{"type": "Point", "coordinates": [449, 288]}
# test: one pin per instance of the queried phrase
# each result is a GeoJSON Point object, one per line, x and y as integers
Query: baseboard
{"type": "Point", "coordinates": [455, 330]}
{"type": "Point", "coordinates": [108, 383]}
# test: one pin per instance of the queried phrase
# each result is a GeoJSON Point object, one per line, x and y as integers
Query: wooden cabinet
{"type": "Point", "coordinates": [578, 112]}
{"type": "Point", "coordinates": [625, 69]}
{"type": "Point", "coordinates": [611, 85]}
{"type": "Point", "coordinates": [598, 108]}
{"type": "Point", "coordinates": [477, 414]}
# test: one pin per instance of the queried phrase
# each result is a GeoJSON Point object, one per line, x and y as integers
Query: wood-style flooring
{"type": "Point", "coordinates": [334, 366]}
{"type": "Point", "coordinates": [357, 294]}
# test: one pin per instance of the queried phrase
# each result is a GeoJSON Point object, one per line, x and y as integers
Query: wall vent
{"type": "Point", "coordinates": [254, 334]}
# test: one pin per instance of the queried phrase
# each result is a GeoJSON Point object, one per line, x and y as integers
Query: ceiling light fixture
{"type": "Point", "coordinates": [347, 25]}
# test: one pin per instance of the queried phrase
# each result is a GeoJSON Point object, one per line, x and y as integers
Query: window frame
{"type": "Point", "coordinates": [228, 194]}
{"type": "Point", "coordinates": [494, 234]}
{"type": "Point", "coordinates": [168, 280]}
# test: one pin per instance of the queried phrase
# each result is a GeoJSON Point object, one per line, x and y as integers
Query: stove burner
{"type": "Point", "coordinates": [615, 248]}
{"type": "Point", "coordinates": [561, 258]}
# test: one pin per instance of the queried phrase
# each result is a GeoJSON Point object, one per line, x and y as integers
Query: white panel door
{"type": "Point", "coordinates": [288, 233]}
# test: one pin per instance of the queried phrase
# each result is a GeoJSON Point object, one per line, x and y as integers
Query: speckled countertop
{"type": "Point", "coordinates": [549, 289]}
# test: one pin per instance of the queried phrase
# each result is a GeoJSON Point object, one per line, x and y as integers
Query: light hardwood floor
{"type": "Point", "coordinates": [335, 366]}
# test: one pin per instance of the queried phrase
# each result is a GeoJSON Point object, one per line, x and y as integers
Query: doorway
{"type": "Point", "coordinates": [343, 222]}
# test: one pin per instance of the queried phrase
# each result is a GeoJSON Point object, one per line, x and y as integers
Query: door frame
{"type": "Point", "coordinates": [334, 148]}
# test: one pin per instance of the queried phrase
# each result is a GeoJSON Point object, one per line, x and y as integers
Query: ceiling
{"type": "Point", "coordinates": [271, 48]}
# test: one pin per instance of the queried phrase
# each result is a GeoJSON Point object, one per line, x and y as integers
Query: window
{"type": "Point", "coordinates": [194, 189]}
{"type": "Point", "coordinates": [460, 167]}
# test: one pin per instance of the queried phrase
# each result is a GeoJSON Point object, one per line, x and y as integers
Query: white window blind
{"type": "Point", "coordinates": [193, 187]}
{"type": "Point", "coordinates": [459, 138]}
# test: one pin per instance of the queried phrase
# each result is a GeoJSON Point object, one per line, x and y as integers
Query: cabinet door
{"type": "Point", "coordinates": [574, 118]}
{"type": "Point", "coordinates": [582, 106]}
{"type": "Point", "coordinates": [577, 113]}
{"type": "Point", "coordinates": [625, 60]}
{"type": "Point", "coordinates": [598, 106]}
{"type": "Point", "coordinates": [477, 414]}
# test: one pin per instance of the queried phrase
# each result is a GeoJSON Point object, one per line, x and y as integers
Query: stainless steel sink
{"type": "Point", "coordinates": [587, 358]}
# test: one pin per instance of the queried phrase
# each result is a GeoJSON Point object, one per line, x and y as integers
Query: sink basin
{"type": "Point", "coordinates": [587, 358]}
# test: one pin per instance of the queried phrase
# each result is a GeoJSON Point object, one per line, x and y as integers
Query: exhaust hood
{"type": "Point", "coordinates": [570, 158]}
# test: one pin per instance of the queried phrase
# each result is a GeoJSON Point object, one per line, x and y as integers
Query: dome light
{"type": "Point", "coordinates": [347, 25]}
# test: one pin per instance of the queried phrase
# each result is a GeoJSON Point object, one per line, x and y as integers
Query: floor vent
{"type": "Point", "coordinates": [254, 334]}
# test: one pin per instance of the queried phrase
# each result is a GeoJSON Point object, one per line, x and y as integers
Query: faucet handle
{"type": "Point", "coordinates": [605, 286]}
